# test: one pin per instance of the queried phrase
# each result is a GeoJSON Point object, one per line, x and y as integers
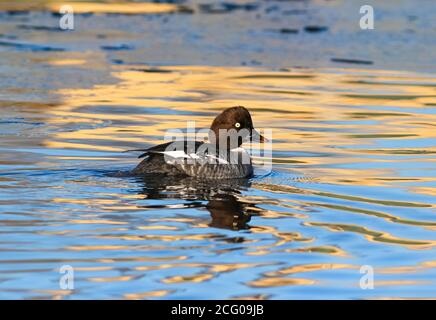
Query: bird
{"type": "Point", "coordinates": [221, 157]}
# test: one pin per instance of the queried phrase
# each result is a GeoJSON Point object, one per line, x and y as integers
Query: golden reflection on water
{"type": "Point", "coordinates": [93, 7]}
{"type": "Point", "coordinates": [309, 268]}
{"type": "Point", "coordinates": [147, 295]}
{"type": "Point", "coordinates": [296, 116]}
{"type": "Point", "coordinates": [377, 236]}
{"type": "Point", "coordinates": [278, 282]}
{"type": "Point", "coordinates": [330, 128]}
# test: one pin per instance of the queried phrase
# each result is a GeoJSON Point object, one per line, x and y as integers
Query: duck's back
{"type": "Point", "coordinates": [185, 159]}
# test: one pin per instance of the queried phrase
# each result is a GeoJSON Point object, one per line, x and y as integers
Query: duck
{"type": "Point", "coordinates": [221, 157]}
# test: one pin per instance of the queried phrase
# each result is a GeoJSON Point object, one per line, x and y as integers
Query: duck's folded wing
{"type": "Point", "coordinates": [175, 149]}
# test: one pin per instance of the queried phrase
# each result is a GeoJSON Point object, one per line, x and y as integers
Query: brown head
{"type": "Point", "coordinates": [235, 126]}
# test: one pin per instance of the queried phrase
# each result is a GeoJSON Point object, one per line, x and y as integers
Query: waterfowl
{"type": "Point", "coordinates": [222, 157]}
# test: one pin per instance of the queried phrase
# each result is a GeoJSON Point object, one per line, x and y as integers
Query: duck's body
{"type": "Point", "coordinates": [221, 158]}
{"type": "Point", "coordinates": [195, 159]}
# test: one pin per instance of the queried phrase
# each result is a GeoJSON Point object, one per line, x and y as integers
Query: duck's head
{"type": "Point", "coordinates": [232, 127]}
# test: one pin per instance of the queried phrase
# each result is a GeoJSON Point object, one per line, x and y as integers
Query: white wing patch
{"type": "Point", "coordinates": [175, 154]}
{"type": "Point", "coordinates": [173, 157]}
{"type": "Point", "coordinates": [179, 154]}
{"type": "Point", "coordinates": [194, 156]}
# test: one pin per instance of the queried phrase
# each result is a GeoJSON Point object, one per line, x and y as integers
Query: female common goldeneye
{"type": "Point", "coordinates": [220, 158]}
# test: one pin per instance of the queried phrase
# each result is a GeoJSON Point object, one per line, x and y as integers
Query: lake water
{"type": "Point", "coordinates": [352, 182]}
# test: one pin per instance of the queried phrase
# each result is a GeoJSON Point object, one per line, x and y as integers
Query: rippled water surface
{"type": "Point", "coordinates": [352, 182]}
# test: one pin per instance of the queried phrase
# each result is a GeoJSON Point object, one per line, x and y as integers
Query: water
{"type": "Point", "coordinates": [352, 181]}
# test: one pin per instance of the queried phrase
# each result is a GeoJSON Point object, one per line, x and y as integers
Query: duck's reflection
{"type": "Point", "coordinates": [223, 197]}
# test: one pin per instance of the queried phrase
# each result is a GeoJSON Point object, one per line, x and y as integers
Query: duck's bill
{"type": "Point", "coordinates": [257, 137]}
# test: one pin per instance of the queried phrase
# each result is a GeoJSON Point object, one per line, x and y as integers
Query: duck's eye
{"type": "Point", "coordinates": [237, 124]}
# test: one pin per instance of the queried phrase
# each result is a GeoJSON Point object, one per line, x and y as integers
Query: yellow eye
{"type": "Point", "coordinates": [237, 124]}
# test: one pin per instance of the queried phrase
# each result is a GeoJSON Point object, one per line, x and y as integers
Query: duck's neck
{"type": "Point", "coordinates": [225, 142]}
